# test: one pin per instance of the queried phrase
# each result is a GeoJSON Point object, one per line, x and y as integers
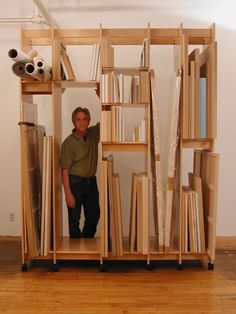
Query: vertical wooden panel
{"type": "Point", "coordinates": [56, 169]}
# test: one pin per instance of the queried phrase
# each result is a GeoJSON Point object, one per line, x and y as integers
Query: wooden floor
{"type": "Point", "coordinates": [126, 287]}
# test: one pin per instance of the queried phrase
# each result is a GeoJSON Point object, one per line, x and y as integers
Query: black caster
{"type": "Point", "coordinates": [179, 267]}
{"type": "Point", "coordinates": [24, 267]}
{"type": "Point", "coordinates": [55, 268]}
{"type": "Point", "coordinates": [210, 266]}
{"type": "Point", "coordinates": [102, 268]}
{"type": "Point", "coordinates": [149, 267]}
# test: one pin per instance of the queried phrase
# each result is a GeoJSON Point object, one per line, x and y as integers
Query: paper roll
{"type": "Point", "coordinates": [18, 55]}
{"type": "Point", "coordinates": [18, 69]}
{"type": "Point", "coordinates": [33, 71]}
{"type": "Point", "coordinates": [45, 74]}
{"type": "Point", "coordinates": [43, 65]}
{"type": "Point", "coordinates": [32, 54]}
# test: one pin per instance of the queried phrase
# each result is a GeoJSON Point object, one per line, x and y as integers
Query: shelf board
{"type": "Point", "coordinates": [36, 87]}
{"type": "Point", "coordinates": [198, 143]}
{"type": "Point", "coordinates": [124, 70]}
{"type": "Point", "coordinates": [126, 104]}
{"type": "Point", "coordinates": [124, 146]}
{"type": "Point", "coordinates": [194, 256]}
{"type": "Point", "coordinates": [88, 246]}
{"type": "Point", "coordinates": [78, 84]}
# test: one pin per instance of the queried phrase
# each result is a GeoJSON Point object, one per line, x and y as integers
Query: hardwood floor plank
{"type": "Point", "coordinates": [126, 287]}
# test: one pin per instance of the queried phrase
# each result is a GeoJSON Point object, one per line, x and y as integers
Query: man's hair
{"type": "Point", "coordinates": [80, 109]}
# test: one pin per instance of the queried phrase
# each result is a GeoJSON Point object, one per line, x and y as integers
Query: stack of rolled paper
{"type": "Point", "coordinates": [29, 66]}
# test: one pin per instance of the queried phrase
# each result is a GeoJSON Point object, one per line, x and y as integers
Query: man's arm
{"type": "Point", "coordinates": [70, 200]}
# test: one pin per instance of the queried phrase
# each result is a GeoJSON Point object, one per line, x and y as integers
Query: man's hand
{"type": "Point", "coordinates": [70, 200]}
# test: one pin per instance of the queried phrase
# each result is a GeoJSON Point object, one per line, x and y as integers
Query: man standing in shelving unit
{"type": "Point", "coordinates": [79, 158]}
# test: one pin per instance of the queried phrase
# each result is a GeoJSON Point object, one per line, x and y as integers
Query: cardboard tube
{"type": "Point", "coordinates": [18, 69]}
{"type": "Point", "coordinates": [45, 74]}
{"type": "Point", "coordinates": [32, 54]}
{"type": "Point", "coordinates": [43, 65]}
{"type": "Point", "coordinates": [32, 70]}
{"type": "Point", "coordinates": [18, 55]}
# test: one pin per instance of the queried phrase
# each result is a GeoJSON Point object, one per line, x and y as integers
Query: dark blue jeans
{"type": "Point", "coordinates": [85, 192]}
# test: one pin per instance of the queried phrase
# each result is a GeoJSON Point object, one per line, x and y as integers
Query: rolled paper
{"type": "Point", "coordinates": [33, 71]}
{"type": "Point", "coordinates": [18, 69]}
{"type": "Point", "coordinates": [37, 58]}
{"type": "Point", "coordinates": [43, 65]}
{"type": "Point", "coordinates": [32, 54]}
{"type": "Point", "coordinates": [18, 55]}
{"type": "Point", "coordinates": [45, 74]}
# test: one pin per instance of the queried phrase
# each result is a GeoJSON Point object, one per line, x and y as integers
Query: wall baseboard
{"type": "Point", "coordinates": [228, 243]}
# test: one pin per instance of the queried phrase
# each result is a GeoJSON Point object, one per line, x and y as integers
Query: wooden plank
{"type": "Point", "coordinates": [145, 214]}
{"type": "Point", "coordinates": [196, 184]}
{"type": "Point", "coordinates": [67, 66]}
{"type": "Point", "coordinates": [76, 33]}
{"type": "Point", "coordinates": [80, 41]}
{"type": "Point", "coordinates": [111, 205]}
{"type": "Point", "coordinates": [184, 62]}
{"type": "Point", "coordinates": [32, 191]}
{"type": "Point", "coordinates": [158, 198]}
{"type": "Point", "coordinates": [175, 93]}
{"type": "Point", "coordinates": [139, 216]}
{"type": "Point", "coordinates": [103, 207]}
{"type": "Point", "coordinates": [124, 146]}
{"type": "Point", "coordinates": [133, 214]}
{"type": "Point", "coordinates": [78, 84]}
{"type": "Point", "coordinates": [107, 53]}
{"type": "Point", "coordinates": [56, 56]}
{"type": "Point", "coordinates": [48, 200]}
{"type": "Point", "coordinates": [208, 168]}
{"type": "Point", "coordinates": [56, 169]}
{"type": "Point", "coordinates": [118, 214]}
{"type": "Point", "coordinates": [37, 88]}
{"type": "Point", "coordinates": [42, 237]}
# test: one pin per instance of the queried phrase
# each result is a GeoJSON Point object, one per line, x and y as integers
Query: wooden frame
{"type": "Point", "coordinates": [181, 38]}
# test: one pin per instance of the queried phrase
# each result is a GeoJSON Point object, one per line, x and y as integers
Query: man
{"type": "Point", "coordinates": [79, 158]}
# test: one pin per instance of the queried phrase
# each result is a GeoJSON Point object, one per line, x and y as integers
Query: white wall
{"type": "Point", "coordinates": [84, 14]}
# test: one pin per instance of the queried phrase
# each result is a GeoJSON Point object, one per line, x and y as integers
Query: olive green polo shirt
{"type": "Point", "coordinates": [80, 155]}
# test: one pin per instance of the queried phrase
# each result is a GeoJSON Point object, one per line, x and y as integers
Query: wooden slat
{"type": "Point", "coordinates": [37, 88]}
{"type": "Point", "coordinates": [77, 33]}
{"type": "Point", "coordinates": [124, 146]}
{"type": "Point", "coordinates": [56, 170]}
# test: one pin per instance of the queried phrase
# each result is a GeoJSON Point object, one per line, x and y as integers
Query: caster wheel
{"type": "Point", "coordinates": [149, 267]}
{"type": "Point", "coordinates": [179, 267]}
{"type": "Point", "coordinates": [55, 268]}
{"type": "Point", "coordinates": [24, 267]}
{"type": "Point", "coordinates": [210, 266]}
{"type": "Point", "coordinates": [102, 268]}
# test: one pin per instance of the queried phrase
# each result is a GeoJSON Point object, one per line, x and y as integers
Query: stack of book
{"type": "Point", "coordinates": [139, 214]}
{"type": "Point", "coordinates": [193, 233]}
{"type": "Point", "coordinates": [125, 88]}
{"type": "Point", "coordinates": [111, 201]}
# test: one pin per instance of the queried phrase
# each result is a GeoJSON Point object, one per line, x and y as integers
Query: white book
{"type": "Point", "coordinates": [142, 131]}
{"type": "Point", "coordinates": [121, 87]}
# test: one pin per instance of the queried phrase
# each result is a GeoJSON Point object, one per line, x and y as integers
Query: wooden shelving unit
{"type": "Point", "coordinates": [181, 38]}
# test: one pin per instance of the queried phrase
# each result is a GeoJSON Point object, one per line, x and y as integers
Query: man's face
{"type": "Point", "coordinates": [81, 122]}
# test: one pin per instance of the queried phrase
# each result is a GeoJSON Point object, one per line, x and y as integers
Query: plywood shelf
{"type": "Point", "coordinates": [78, 84]}
{"type": "Point", "coordinates": [37, 88]}
{"type": "Point", "coordinates": [124, 146]}
{"type": "Point", "coordinates": [87, 246]}
{"type": "Point", "coordinates": [198, 143]}
{"type": "Point", "coordinates": [124, 70]}
{"type": "Point", "coordinates": [126, 104]}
